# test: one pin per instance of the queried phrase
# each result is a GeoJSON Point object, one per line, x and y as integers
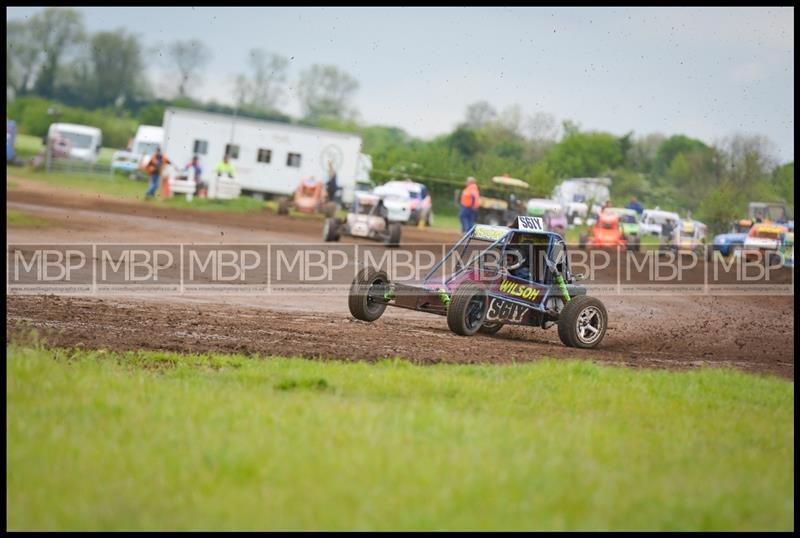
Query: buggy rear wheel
{"type": "Point", "coordinates": [583, 322]}
{"type": "Point", "coordinates": [490, 328]}
{"type": "Point", "coordinates": [367, 294]}
{"type": "Point", "coordinates": [329, 209]}
{"type": "Point", "coordinates": [393, 237]}
{"type": "Point", "coordinates": [467, 309]}
{"type": "Point", "coordinates": [330, 230]}
{"type": "Point", "coordinates": [283, 206]}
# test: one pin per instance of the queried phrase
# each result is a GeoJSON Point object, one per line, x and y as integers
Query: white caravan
{"type": "Point", "coordinates": [79, 142]}
{"type": "Point", "coordinates": [576, 194]}
{"type": "Point", "coordinates": [269, 158]}
{"type": "Point", "coordinates": [144, 144]}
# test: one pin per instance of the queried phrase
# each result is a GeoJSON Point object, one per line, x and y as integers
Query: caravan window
{"type": "Point", "coordinates": [264, 155]}
{"type": "Point", "coordinates": [78, 140]}
{"type": "Point", "coordinates": [293, 160]}
{"type": "Point", "coordinates": [200, 147]}
{"type": "Point", "coordinates": [232, 150]}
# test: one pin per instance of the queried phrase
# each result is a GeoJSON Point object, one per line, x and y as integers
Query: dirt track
{"type": "Point", "coordinates": [751, 333]}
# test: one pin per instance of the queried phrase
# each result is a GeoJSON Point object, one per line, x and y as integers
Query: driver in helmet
{"type": "Point", "coordinates": [516, 262]}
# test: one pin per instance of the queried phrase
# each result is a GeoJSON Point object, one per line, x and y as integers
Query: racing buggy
{"type": "Point", "coordinates": [368, 218]}
{"type": "Point", "coordinates": [493, 276]}
{"type": "Point", "coordinates": [310, 197]}
{"type": "Point", "coordinates": [608, 233]}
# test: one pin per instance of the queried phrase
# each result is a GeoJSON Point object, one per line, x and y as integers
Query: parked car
{"type": "Point", "coordinates": [144, 144]}
{"type": "Point", "coordinates": [653, 221]}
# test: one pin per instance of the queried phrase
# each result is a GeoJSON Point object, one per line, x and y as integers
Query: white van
{"type": "Point", "coordinates": [80, 142]}
{"type": "Point", "coordinates": [144, 144]}
{"type": "Point", "coordinates": [653, 221]}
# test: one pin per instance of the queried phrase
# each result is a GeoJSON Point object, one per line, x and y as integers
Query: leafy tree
{"type": "Point", "coordinates": [117, 63]}
{"type": "Point", "coordinates": [56, 31]}
{"type": "Point", "coordinates": [672, 147]}
{"type": "Point", "coordinates": [325, 90]}
{"type": "Point", "coordinates": [22, 56]}
{"type": "Point", "coordinates": [188, 57]}
{"type": "Point", "coordinates": [479, 114]}
{"type": "Point", "coordinates": [584, 154]}
{"type": "Point", "coordinates": [783, 181]}
{"type": "Point", "coordinates": [465, 141]}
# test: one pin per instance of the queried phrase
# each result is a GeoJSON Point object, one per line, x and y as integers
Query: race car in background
{"type": "Point", "coordinates": [726, 244]}
{"type": "Point", "coordinates": [628, 220]}
{"type": "Point", "coordinates": [493, 276]}
{"type": "Point", "coordinates": [407, 201]}
{"type": "Point", "coordinates": [607, 233]}
{"type": "Point", "coordinates": [687, 237]}
{"type": "Point", "coordinates": [655, 222]}
{"type": "Point", "coordinates": [764, 241]}
{"type": "Point", "coordinates": [368, 219]}
{"type": "Point", "coordinates": [551, 212]}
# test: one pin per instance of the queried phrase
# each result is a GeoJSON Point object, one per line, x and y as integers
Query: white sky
{"type": "Point", "coordinates": [703, 72]}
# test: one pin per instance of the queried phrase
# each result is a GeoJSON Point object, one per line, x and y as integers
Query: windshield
{"type": "Point", "coordinates": [146, 148]}
{"type": "Point", "coordinates": [80, 141]}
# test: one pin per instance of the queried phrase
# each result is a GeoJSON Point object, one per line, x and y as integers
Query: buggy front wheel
{"type": "Point", "coordinates": [367, 299]}
{"type": "Point", "coordinates": [583, 322]}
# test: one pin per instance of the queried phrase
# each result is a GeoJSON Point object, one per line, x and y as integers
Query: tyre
{"type": "Point", "coordinates": [329, 209]}
{"type": "Point", "coordinates": [634, 244]}
{"type": "Point", "coordinates": [283, 206]}
{"type": "Point", "coordinates": [366, 299]}
{"type": "Point", "coordinates": [583, 322]}
{"type": "Point", "coordinates": [393, 236]}
{"type": "Point", "coordinates": [490, 328]}
{"type": "Point", "coordinates": [583, 239]}
{"type": "Point", "coordinates": [330, 230]}
{"type": "Point", "coordinates": [467, 309]}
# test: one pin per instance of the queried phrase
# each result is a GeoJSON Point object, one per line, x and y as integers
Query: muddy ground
{"type": "Point", "coordinates": [675, 331]}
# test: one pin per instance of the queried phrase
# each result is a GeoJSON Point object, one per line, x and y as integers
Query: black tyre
{"type": "Point", "coordinates": [467, 309]}
{"type": "Point", "coordinates": [366, 299]}
{"type": "Point", "coordinates": [634, 244]}
{"type": "Point", "coordinates": [283, 206]}
{"type": "Point", "coordinates": [330, 230]}
{"type": "Point", "coordinates": [393, 234]}
{"type": "Point", "coordinates": [329, 209]}
{"type": "Point", "coordinates": [583, 322]}
{"type": "Point", "coordinates": [490, 328]}
{"type": "Point", "coordinates": [583, 239]}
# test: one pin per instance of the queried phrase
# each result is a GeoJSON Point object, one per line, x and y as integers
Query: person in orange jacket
{"type": "Point", "coordinates": [470, 201]}
{"type": "Point", "coordinates": [154, 167]}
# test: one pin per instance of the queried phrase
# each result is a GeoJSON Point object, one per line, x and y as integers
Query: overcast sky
{"type": "Point", "coordinates": [704, 72]}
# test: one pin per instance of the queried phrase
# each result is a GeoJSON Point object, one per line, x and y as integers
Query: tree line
{"type": "Point", "coordinates": [97, 79]}
{"type": "Point", "coordinates": [51, 55]}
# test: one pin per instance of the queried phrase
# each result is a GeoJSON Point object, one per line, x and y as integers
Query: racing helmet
{"type": "Point", "coordinates": [514, 258]}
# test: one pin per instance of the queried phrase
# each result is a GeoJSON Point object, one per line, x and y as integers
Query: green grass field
{"type": "Point", "coordinates": [97, 440]}
{"type": "Point", "coordinates": [21, 219]}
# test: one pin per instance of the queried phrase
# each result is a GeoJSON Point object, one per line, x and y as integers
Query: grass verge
{"type": "Point", "coordinates": [150, 440]}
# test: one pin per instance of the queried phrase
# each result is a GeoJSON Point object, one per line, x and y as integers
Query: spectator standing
{"type": "Point", "coordinates": [154, 168]}
{"type": "Point", "coordinates": [331, 187]}
{"type": "Point", "coordinates": [470, 201]}
{"type": "Point", "coordinates": [635, 205]}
